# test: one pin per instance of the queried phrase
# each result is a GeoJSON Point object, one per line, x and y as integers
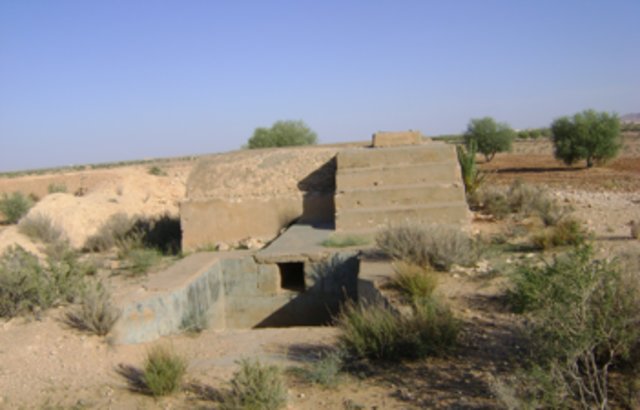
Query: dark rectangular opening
{"type": "Point", "coordinates": [292, 276]}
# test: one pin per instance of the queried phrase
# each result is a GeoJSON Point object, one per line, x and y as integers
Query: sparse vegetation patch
{"type": "Point", "coordinates": [96, 312]}
{"type": "Point", "coordinates": [344, 241]}
{"type": "Point", "coordinates": [255, 386]}
{"type": "Point", "coordinates": [40, 227]}
{"type": "Point", "coordinates": [436, 246]}
{"type": "Point", "coordinates": [377, 333]}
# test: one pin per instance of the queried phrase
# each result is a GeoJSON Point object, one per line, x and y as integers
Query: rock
{"type": "Point", "coordinates": [222, 247]}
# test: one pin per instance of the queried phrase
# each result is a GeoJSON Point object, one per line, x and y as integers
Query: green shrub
{"type": "Point", "coordinates": [471, 176]}
{"type": "Point", "coordinates": [40, 227]}
{"type": "Point", "coordinates": [438, 246]}
{"type": "Point", "coordinates": [163, 371]}
{"type": "Point", "coordinates": [584, 320]}
{"type": "Point", "coordinates": [23, 283]}
{"type": "Point", "coordinates": [414, 282]}
{"type": "Point", "coordinates": [66, 272]}
{"type": "Point", "coordinates": [589, 135]}
{"type": "Point", "coordinates": [344, 241]}
{"type": "Point", "coordinates": [28, 286]}
{"type": "Point", "coordinates": [568, 231]}
{"type": "Point", "coordinates": [113, 230]}
{"type": "Point", "coordinates": [491, 137]}
{"type": "Point", "coordinates": [57, 188]}
{"type": "Point", "coordinates": [325, 371]}
{"type": "Point", "coordinates": [157, 171]}
{"type": "Point", "coordinates": [14, 206]}
{"type": "Point", "coordinates": [283, 134]}
{"type": "Point", "coordinates": [377, 333]}
{"type": "Point", "coordinates": [96, 313]}
{"type": "Point", "coordinates": [255, 386]}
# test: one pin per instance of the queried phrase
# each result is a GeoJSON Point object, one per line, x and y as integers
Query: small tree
{"type": "Point", "coordinates": [589, 135]}
{"type": "Point", "coordinates": [490, 137]}
{"type": "Point", "coordinates": [283, 134]}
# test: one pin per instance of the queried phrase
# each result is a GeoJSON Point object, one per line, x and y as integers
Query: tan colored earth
{"type": "Point", "coordinates": [45, 364]}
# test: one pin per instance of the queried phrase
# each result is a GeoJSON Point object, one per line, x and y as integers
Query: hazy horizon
{"type": "Point", "coordinates": [95, 82]}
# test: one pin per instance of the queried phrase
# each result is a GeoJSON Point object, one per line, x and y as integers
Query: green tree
{"type": "Point", "coordinates": [283, 134]}
{"type": "Point", "coordinates": [589, 135]}
{"type": "Point", "coordinates": [490, 137]}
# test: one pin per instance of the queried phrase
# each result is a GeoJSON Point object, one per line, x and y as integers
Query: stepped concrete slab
{"type": "Point", "coordinates": [423, 194]}
{"type": "Point", "coordinates": [298, 243]}
{"type": "Point", "coordinates": [402, 174]}
{"type": "Point", "coordinates": [452, 213]}
{"type": "Point", "coordinates": [394, 156]}
{"type": "Point", "coordinates": [391, 139]}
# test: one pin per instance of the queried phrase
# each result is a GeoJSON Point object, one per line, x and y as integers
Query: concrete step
{"type": "Point", "coordinates": [456, 213]}
{"type": "Point", "coordinates": [400, 195]}
{"type": "Point", "coordinates": [445, 172]}
{"type": "Point", "coordinates": [416, 154]}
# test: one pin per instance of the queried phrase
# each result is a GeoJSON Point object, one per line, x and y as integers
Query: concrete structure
{"type": "Point", "coordinates": [392, 139]}
{"type": "Point", "coordinates": [416, 184]}
{"type": "Point", "coordinates": [255, 193]}
{"type": "Point", "coordinates": [233, 290]}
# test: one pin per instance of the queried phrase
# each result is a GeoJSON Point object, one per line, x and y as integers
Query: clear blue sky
{"type": "Point", "coordinates": [92, 81]}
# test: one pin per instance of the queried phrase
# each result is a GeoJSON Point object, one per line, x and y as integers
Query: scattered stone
{"type": "Point", "coordinates": [251, 243]}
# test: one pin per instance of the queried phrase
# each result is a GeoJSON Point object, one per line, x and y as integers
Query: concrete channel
{"type": "Point", "coordinates": [293, 282]}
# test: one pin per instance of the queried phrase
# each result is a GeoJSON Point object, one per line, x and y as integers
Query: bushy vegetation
{"type": "Point", "coordinates": [375, 332]}
{"type": "Point", "coordinates": [163, 371]}
{"type": "Point", "coordinates": [584, 321]}
{"type": "Point", "coordinates": [589, 135]}
{"type": "Point", "coordinates": [14, 206]}
{"type": "Point", "coordinates": [523, 200]}
{"type": "Point", "coordinates": [283, 134]}
{"type": "Point", "coordinates": [568, 231]}
{"type": "Point", "coordinates": [436, 246]}
{"type": "Point", "coordinates": [26, 286]}
{"type": "Point", "coordinates": [490, 137]}
{"type": "Point", "coordinates": [255, 386]}
{"type": "Point", "coordinates": [414, 282]}
{"type": "Point", "coordinates": [140, 242]}
{"type": "Point", "coordinates": [40, 227]}
{"type": "Point", "coordinates": [96, 312]}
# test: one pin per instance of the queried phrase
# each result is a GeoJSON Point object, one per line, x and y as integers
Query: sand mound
{"type": "Point", "coordinates": [135, 193]}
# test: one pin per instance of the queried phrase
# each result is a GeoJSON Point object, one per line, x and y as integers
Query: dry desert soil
{"type": "Point", "coordinates": [45, 364]}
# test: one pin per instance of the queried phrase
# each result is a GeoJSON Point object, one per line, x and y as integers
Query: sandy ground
{"type": "Point", "coordinates": [45, 364]}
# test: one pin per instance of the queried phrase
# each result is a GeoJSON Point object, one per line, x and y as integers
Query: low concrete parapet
{"type": "Point", "coordinates": [393, 139]}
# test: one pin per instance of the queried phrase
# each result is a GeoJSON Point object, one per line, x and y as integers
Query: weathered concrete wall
{"type": "Point", "coordinates": [194, 284]}
{"type": "Point", "coordinates": [255, 193]}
